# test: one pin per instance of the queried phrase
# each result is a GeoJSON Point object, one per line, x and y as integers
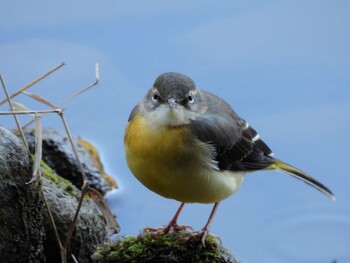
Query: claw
{"type": "Point", "coordinates": [169, 229]}
{"type": "Point", "coordinates": [202, 236]}
{"type": "Point", "coordinates": [176, 228]}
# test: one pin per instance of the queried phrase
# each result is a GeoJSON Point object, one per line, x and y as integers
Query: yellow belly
{"type": "Point", "coordinates": [171, 163]}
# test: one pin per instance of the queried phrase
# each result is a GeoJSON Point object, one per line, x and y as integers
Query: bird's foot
{"type": "Point", "coordinates": [169, 229]}
{"type": "Point", "coordinates": [202, 235]}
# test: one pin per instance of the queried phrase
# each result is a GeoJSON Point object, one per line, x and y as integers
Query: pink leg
{"type": "Point", "coordinates": [173, 222]}
{"type": "Point", "coordinates": [213, 211]}
{"type": "Point", "coordinates": [172, 225]}
{"type": "Point", "coordinates": [205, 230]}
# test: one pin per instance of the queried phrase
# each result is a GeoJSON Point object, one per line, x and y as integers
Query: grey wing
{"type": "Point", "coordinates": [134, 111]}
{"type": "Point", "coordinates": [238, 146]}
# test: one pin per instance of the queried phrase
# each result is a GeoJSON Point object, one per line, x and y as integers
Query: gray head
{"type": "Point", "coordinates": [174, 85]}
{"type": "Point", "coordinates": [173, 100]}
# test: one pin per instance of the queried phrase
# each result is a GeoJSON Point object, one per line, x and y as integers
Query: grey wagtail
{"type": "Point", "coordinates": [189, 145]}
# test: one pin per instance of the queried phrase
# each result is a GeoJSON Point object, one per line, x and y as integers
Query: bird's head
{"type": "Point", "coordinates": [174, 100]}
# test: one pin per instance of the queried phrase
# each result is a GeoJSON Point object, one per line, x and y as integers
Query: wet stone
{"type": "Point", "coordinates": [59, 155]}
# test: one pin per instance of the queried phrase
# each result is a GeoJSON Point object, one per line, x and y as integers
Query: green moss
{"type": "Point", "coordinates": [175, 247]}
{"type": "Point", "coordinates": [58, 180]}
{"type": "Point", "coordinates": [49, 173]}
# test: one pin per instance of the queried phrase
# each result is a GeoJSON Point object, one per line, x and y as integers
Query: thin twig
{"type": "Point", "coordinates": [37, 176]}
{"type": "Point", "coordinates": [40, 99]}
{"type": "Point", "coordinates": [112, 224]}
{"type": "Point", "coordinates": [38, 149]}
{"type": "Point", "coordinates": [34, 82]}
{"type": "Point", "coordinates": [30, 112]}
{"type": "Point", "coordinates": [15, 116]}
{"type": "Point", "coordinates": [99, 200]}
{"type": "Point", "coordinates": [97, 79]}
{"type": "Point", "coordinates": [61, 114]}
{"type": "Point", "coordinates": [63, 252]}
{"type": "Point", "coordinates": [84, 190]}
{"type": "Point", "coordinates": [85, 186]}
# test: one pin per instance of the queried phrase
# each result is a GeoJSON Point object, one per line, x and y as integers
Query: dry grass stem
{"type": "Point", "coordinates": [19, 109]}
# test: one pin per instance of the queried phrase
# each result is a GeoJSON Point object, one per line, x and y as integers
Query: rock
{"type": "Point", "coordinates": [21, 224]}
{"type": "Point", "coordinates": [165, 248]}
{"type": "Point", "coordinates": [58, 154]}
{"type": "Point", "coordinates": [63, 198]}
{"type": "Point", "coordinates": [26, 233]}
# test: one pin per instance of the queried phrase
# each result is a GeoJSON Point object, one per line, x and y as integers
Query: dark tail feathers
{"type": "Point", "coordinates": [288, 169]}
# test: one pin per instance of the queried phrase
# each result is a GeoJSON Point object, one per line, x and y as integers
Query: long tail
{"type": "Point", "coordinates": [288, 169]}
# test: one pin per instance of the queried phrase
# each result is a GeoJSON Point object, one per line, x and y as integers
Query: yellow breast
{"type": "Point", "coordinates": [175, 165]}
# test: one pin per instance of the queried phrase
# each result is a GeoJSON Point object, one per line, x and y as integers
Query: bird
{"type": "Point", "coordinates": [187, 144]}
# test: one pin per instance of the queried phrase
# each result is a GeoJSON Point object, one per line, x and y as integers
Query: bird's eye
{"type": "Point", "coordinates": [155, 97]}
{"type": "Point", "coordinates": [190, 99]}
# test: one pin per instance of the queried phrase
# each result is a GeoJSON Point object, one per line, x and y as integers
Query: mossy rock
{"type": "Point", "coordinates": [174, 247]}
{"type": "Point", "coordinates": [62, 197]}
{"type": "Point", "coordinates": [57, 152]}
